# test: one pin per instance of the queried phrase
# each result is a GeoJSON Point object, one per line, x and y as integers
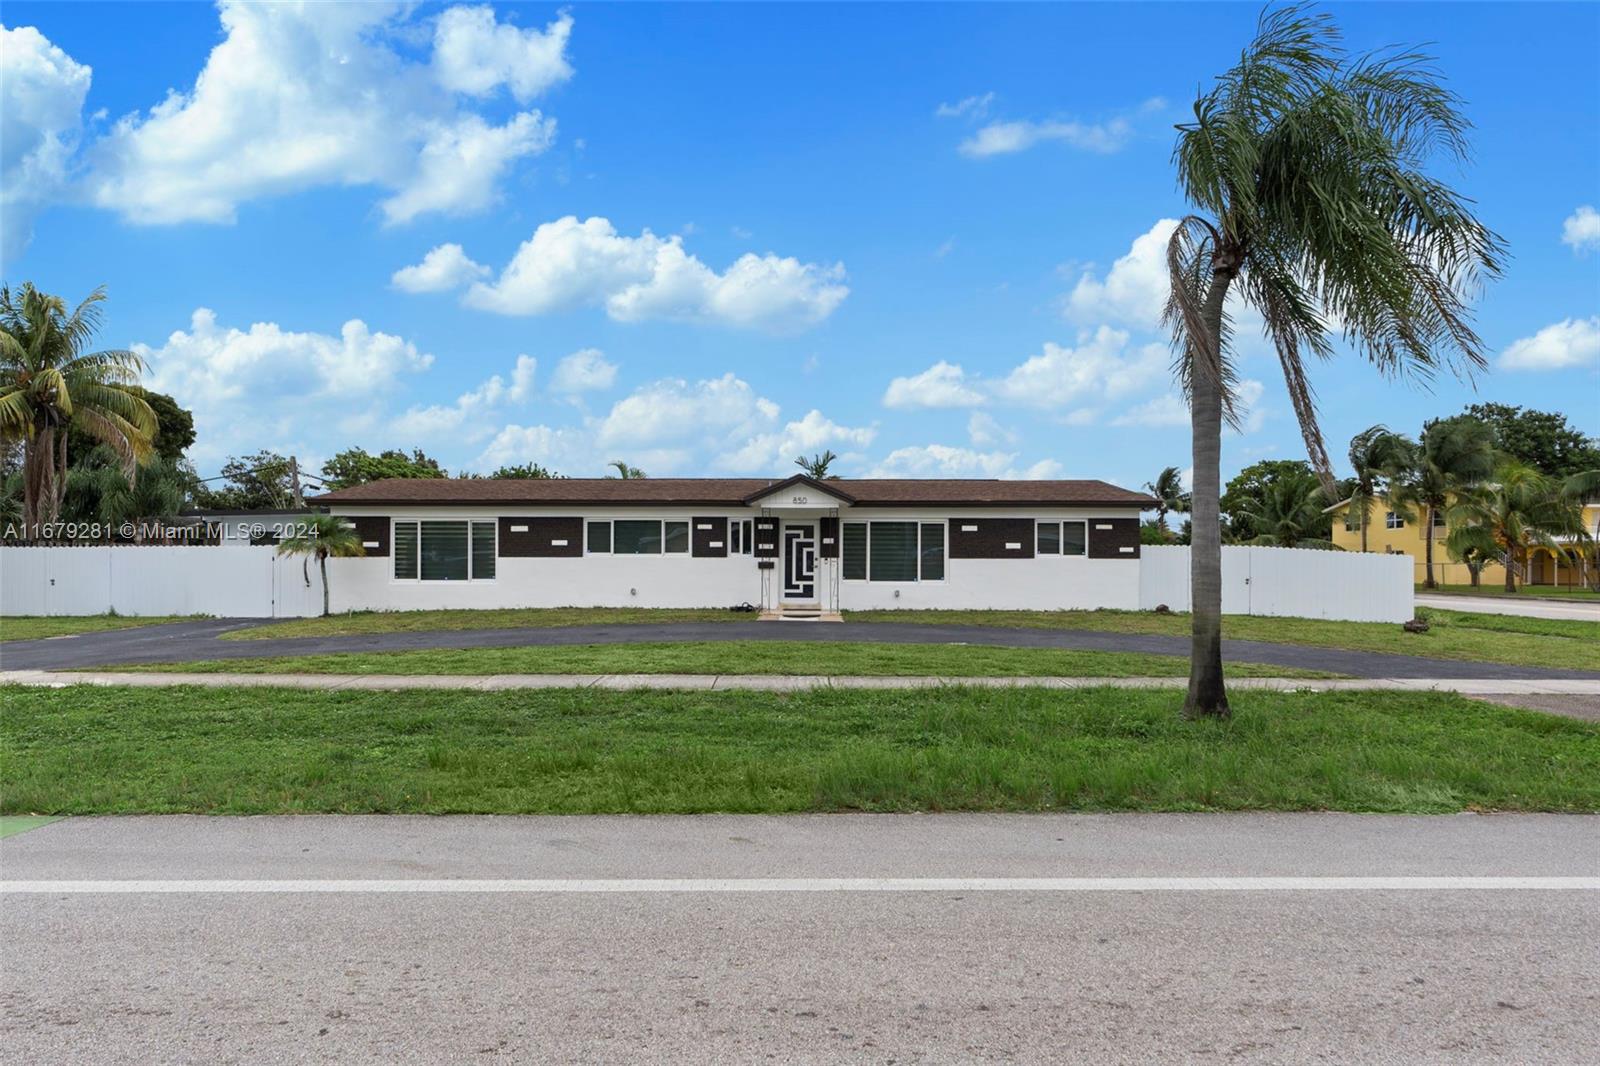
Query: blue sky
{"type": "Point", "coordinates": [706, 239]}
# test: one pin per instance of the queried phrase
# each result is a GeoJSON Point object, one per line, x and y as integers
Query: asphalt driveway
{"type": "Point", "coordinates": [198, 640]}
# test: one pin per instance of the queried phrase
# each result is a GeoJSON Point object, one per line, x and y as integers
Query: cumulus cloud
{"type": "Point", "coordinates": [568, 264]}
{"type": "Point", "coordinates": [1018, 135]}
{"type": "Point", "coordinates": [253, 388]}
{"type": "Point", "coordinates": [569, 450]}
{"type": "Point", "coordinates": [985, 431]}
{"type": "Point", "coordinates": [1163, 410]}
{"type": "Point", "coordinates": [674, 410]}
{"type": "Point", "coordinates": [1134, 291]}
{"type": "Point", "coordinates": [815, 432]}
{"type": "Point", "coordinates": [302, 96]}
{"type": "Point", "coordinates": [1103, 364]}
{"type": "Point", "coordinates": [945, 460]}
{"type": "Point", "coordinates": [40, 121]}
{"type": "Point", "coordinates": [1572, 342]}
{"type": "Point", "coordinates": [445, 267]}
{"type": "Point", "coordinates": [474, 54]}
{"type": "Point", "coordinates": [583, 371]}
{"type": "Point", "coordinates": [1582, 229]}
{"type": "Point", "coordinates": [941, 385]}
{"type": "Point", "coordinates": [466, 417]}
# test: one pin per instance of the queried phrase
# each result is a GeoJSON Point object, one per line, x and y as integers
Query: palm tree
{"type": "Point", "coordinates": [49, 383]}
{"type": "Point", "coordinates": [1455, 454]}
{"type": "Point", "coordinates": [1377, 454]}
{"type": "Point", "coordinates": [816, 466]}
{"type": "Point", "coordinates": [1518, 510]}
{"type": "Point", "coordinates": [624, 471]}
{"type": "Point", "coordinates": [99, 491]}
{"type": "Point", "coordinates": [322, 536]}
{"type": "Point", "coordinates": [1305, 170]}
{"type": "Point", "coordinates": [1288, 509]}
{"type": "Point", "coordinates": [1167, 488]}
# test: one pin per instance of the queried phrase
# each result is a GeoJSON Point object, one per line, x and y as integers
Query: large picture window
{"type": "Point", "coordinates": [892, 551]}
{"type": "Point", "coordinates": [444, 551]}
{"type": "Point", "coordinates": [640, 536]}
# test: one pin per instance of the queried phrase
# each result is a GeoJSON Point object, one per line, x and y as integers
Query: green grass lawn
{"type": "Point", "coordinates": [33, 627]}
{"type": "Point", "coordinates": [1455, 634]}
{"type": "Point", "coordinates": [736, 657]}
{"type": "Point", "coordinates": [82, 750]}
{"type": "Point", "coordinates": [1557, 592]}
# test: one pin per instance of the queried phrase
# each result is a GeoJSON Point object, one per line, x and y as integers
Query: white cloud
{"type": "Point", "coordinates": [308, 95]}
{"type": "Point", "coordinates": [1582, 229]}
{"type": "Point", "coordinates": [1572, 342]}
{"type": "Point", "coordinates": [445, 267]}
{"type": "Point", "coordinates": [466, 417]}
{"type": "Point", "coordinates": [568, 263]}
{"type": "Point", "coordinates": [985, 431]}
{"type": "Point", "coordinates": [941, 385]}
{"type": "Point", "coordinates": [1102, 365]}
{"type": "Point", "coordinates": [970, 107]}
{"type": "Point", "coordinates": [583, 371]}
{"type": "Point", "coordinates": [251, 388]}
{"type": "Point", "coordinates": [40, 119]}
{"type": "Point", "coordinates": [1134, 291]}
{"type": "Point", "coordinates": [474, 54]}
{"type": "Point", "coordinates": [567, 450]}
{"type": "Point", "coordinates": [673, 411]}
{"type": "Point", "coordinates": [770, 452]}
{"type": "Point", "coordinates": [1004, 138]}
{"type": "Point", "coordinates": [1163, 410]}
{"type": "Point", "coordinates": [944, 460]}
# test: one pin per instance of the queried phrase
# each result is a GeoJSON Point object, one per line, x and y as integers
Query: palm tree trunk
{"type": "Point", "coordinates": [1366, 511]}
{"type": "Point", "coordinates": [1207, 695]}
{"type": "Point", "coordinates": [1427, 542]}
{"type": "Point", "coordinates": [1511, 573]}
{"type": "Point", "coordinates": [322, 564]}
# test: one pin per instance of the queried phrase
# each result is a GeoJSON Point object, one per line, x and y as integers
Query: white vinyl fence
{"type": "Point", "coordinates": [224, 581]}
{"type": "Point", "coordinates": [1298, 582]}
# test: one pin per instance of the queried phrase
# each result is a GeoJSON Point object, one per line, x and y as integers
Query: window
{"type": "Point", "coordinates": [1048, 536]}
{"type": "Point", "coordinates": [1393, 521]}
{"type": "Point", "coordinates": [855, 551]}
{"type": "Point", "coordinates": [733, 538]}
{"type": "Point", "coordinates": [599, 538]}
{"type": "Point", "coordinates": [677, 537]}
{"type": "Point", "coordinates": [444, 551]}
{"type": "Point", "coordinates": [636, 537]}
{"type": "Point", "coordinates": [1438, 519]}
{"type": "Point", "coordinates": [1352, 520]}
{"type": "Point", "coordinates": [932, 557]}
{"type": "Point", "coordinates": [892, 552]}
{"type": "Point", "coordinates": [405, 551]}
{"type": "Point", "coordinates": [749, 537]}
{"type": "Point", "coordinates": [1074, 538]}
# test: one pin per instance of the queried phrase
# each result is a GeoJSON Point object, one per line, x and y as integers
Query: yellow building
{"type": "Point", "coordinates": [1389, 532]}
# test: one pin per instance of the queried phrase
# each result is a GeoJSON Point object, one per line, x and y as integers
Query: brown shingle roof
{"type": "Point", "coordinates": [726, 492]}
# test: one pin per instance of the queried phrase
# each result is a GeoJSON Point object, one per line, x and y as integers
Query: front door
{"type": "Point", "coordinates": [799, 562]}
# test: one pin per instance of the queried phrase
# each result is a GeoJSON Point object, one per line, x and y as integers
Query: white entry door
{"type": "Point", "coordinates": [800, 561]}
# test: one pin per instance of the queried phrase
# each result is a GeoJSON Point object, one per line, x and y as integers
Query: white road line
{"type": "Point", "coordinates": [819, 884]}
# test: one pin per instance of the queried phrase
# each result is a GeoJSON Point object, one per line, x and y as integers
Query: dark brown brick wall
{"type": "Point", "coordinates": [539, 540]}
{"type": "Point", "coordinates": [1108, 543]}
{"type": "Point", "coordinates": [710, 542]}
{"type": "Point", "coordinates": [987, 538]}
{"type": "Point", "coordinates": [373, 527]}
{"type": "Point", "coordinates": [766, 534]}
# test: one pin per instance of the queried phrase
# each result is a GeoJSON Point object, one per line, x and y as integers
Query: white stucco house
{"type": "Point", "coordinates": [798, 547]}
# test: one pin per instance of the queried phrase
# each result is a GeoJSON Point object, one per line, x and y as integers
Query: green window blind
{"type": "Point", "coordinates": [1074, 538]}
{"type": "Point", "coordinates": [405, 551]}
{"type": "Point", "coordinates": [855, 551]}
{"type": "Point", "coordinates": [482, 551]}
{"type": "Point", "coordinates": [933, 551]}
{"type": "Point", "coordinates": [892, 551]}
{"type": "Point", "coordinates": [444, 551]}
{"type": "Point", "coordinates": [600, 538]}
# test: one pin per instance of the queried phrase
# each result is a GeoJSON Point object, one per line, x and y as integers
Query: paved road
{"type": "Point", "coordinates": [1531, 607]}
{"type": "Point", "coordinates": [198, 640]}
{"type": "Point", "coordinates": [716, 972]}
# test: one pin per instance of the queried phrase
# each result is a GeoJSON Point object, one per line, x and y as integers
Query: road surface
{"type": "Point", "coordinates": [1531, 607]}
{"type": "Point", "coordinates": [668, 939]}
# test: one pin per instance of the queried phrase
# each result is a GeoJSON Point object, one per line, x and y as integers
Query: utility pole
{"type": "Point", "coordinates": [294, 483]}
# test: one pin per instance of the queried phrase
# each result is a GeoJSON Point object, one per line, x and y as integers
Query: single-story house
{"type": "Point", "coordinates": [799, 547]}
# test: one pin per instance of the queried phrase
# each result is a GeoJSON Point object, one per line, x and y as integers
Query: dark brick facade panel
{"type": "Point", "coordinates": [1109, 538]}
{"type": "Point", "coordinates": [991, 538]}
{"type": "Point", "coordinates": [766, 536]}
{"type": "Point", "coordinates": [541, 538]}
{"type": "Point", "coordinates": [828, 539]}
{"type": "Point", "coordinates": [708, 537]}
{"type": "Point", "coordinates": [374, 533]}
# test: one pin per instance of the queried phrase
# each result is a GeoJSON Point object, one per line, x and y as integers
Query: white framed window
{"type": "Point", "coordinates": [430, 549]}
{"type": "Point", "coordinates": [637, 536]}
{"type": "Point", "coordinates": [900, 551]}
{"type": "Point", "coordinates": [1070, 537]}
{"type": "Point", "coordinates": [1393, 521]}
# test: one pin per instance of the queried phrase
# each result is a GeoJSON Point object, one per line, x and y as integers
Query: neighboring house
{"type": "Point", "coordinates": [244, 526]}
{"type": "Point", "coordinates": [1389, 532]}
{"type": "Point", "coordinates": [793, 548]}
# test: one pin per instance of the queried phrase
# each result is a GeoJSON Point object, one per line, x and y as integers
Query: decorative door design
{"type": "Point", "coordinates": [799, 562]}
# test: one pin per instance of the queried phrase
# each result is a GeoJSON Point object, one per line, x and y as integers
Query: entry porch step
{"type": "Point", "coordinates": [791, 611]}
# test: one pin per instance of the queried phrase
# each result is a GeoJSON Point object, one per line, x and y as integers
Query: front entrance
{"type": "Point", "coordinates": [800, 562]}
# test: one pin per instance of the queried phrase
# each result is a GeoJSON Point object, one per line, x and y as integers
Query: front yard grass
{"type": "Point", "coordinates": [34, 627]}
{"type": "Point", "coordinates": [734, 657]}
{"type": "Point", "coordinates": [92, 750]}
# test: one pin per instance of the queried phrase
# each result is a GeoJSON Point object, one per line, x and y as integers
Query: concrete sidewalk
{"type": "Point", "coordinates": [781, 682]}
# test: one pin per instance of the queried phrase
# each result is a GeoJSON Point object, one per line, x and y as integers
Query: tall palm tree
{"type": "Point", "coordinates": [1377, 454]}
{"type": "Point", "coordinates": [816, 466]}
{"type": "Point", "coordinates": [1287, 511]}
{"type": "Point", "coordinates": [324, 536]}
{"type": "Point", "coordinates": [1455, 454]}
{"type": "Point", "coordinates": [1305, 169]}
{"type": "Point", "coordinates": [1167, 488]}
{"type": "Point", "coordinates": [50, 383]}
{"type": "Point", "coordinates": [1518, 509]}
{"type": "Point", "coordinates": [624, 471]}
{"type": "Point", "coordinates": [98, 490]}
